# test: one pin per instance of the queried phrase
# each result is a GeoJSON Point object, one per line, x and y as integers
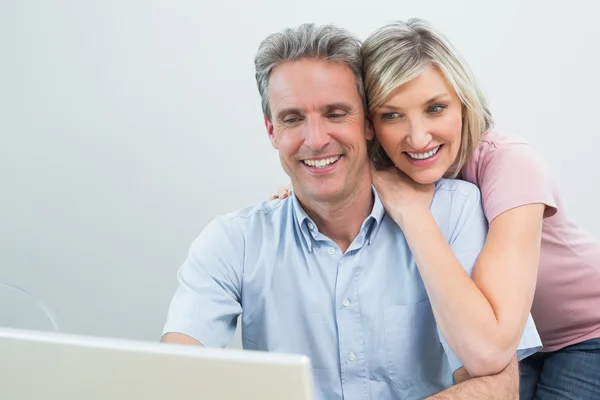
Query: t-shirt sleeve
{"type": "Point", "coordinates": [466, 242]}
{"type": "Point", "coordinates": [207, 301]}
{"type": "Point", "coordinates": [515, 176]}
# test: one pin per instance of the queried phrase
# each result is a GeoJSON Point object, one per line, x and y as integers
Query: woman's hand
{"type": "Point", "coordinates": [399, 194]}
{"type": "Point", "coordinates": [282, 192]}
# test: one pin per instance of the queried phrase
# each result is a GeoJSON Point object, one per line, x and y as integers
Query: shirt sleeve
{"type": "Point", "coordinates": [514, 176]}
{"type": "Point", "coordinates": [207, 301]}
{"type": "Point", "coordinates": [466, 242]}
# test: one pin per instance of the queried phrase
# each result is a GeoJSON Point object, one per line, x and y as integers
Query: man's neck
{"type": "Point", "coordinates": [341, 220]}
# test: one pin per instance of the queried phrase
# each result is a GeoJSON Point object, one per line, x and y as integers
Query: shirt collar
{"type": "Point", "coordinates": [309, 229]}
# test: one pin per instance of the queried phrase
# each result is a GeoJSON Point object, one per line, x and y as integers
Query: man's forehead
{"type": "Point", "coordinates": [312, 83]}
{"type": "Point", "coordinates": [302, 74]}
{"type": "Point", "coordinates": [311, 99]}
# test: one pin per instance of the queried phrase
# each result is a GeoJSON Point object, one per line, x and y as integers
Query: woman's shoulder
{"type": "Point", "coordinates": [509, 173]}
{"type": "Point", "coordinates": [497, 140]}
{"type": "Point", "coordinates": [490, 146]}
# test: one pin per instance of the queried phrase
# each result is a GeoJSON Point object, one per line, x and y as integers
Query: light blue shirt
{"type": "Point", "coordinates": [363, 316]}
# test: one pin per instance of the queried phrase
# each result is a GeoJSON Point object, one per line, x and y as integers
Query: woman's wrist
{"type": "Point", "coordinates": [408, 216]}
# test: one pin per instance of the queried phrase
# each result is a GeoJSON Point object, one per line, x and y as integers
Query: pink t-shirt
{"type": "Point", "coordinates": [566, 306]}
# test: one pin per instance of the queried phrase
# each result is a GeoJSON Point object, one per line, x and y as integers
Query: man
{"type": "Point", "coordinates": [326, 272]}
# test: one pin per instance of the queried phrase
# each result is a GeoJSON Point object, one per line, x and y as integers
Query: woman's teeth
{"type": "Point", "coordinates": [321, 163]}
{"type": "Point", "coordinates": [423, 156]}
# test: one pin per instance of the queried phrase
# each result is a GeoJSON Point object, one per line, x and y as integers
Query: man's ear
{"type": "Point", "coordinates": [369, 131]}
{"type": "Point", "coordinates": [272, 138]}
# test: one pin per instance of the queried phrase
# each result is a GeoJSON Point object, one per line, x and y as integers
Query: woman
{"type": "Point", "coordinates": [431, 121]}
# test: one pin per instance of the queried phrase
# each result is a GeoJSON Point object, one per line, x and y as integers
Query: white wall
{"type": "Point", "coordinates": [125, 126]}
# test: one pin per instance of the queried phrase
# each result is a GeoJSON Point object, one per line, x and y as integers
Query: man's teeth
{"type": "Point", "coordinates": [423, 156]}
{"type": "Point", "coordinates": [321, 163]}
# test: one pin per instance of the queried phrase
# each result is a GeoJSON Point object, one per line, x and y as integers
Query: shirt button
{"type": "Point", "coordinates": [346, 303]}
{"type": "Point", "coordinates": [310, 225]}
{"type": "Point", "coordinates": [331, 251]}
{"type": "Point", "coordinates": [351, 357]}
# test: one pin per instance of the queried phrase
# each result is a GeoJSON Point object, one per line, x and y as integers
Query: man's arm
{"type": "Point", "coordinates": [502, 386]}
{"type": "Point", "coordinates": [207, 302]}
{"type": "Point", "coordinates": [179, 338]}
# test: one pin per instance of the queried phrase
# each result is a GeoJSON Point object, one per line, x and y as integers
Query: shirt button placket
{"type": "Point", "coordinates": [349, 336]}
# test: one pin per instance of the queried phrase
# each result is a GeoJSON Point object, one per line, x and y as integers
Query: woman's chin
{"type": "Point", "coordinates": [425, 177]}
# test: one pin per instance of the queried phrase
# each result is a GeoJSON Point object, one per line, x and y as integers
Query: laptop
{"type": "Point", "coordinates": [43, 365]}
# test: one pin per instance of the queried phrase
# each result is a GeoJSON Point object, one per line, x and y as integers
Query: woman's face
{"type": "Point", "coordinates": [420, 126]}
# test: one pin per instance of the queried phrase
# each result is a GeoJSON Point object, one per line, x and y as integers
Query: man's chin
{"type": "Point", "coordinates": [321, 193]}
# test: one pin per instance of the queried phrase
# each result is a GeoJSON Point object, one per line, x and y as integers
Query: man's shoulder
{"type": "Point", "coordinates": [269, 212]}
{"type": "Point", "coordinates": [454, 199]}
{"type": "Point", "coordinates": [457, 187]}
{"type": "Point", "coordinates": [456, 202]}
{"type": "Point", "coordinates": [249, 223]}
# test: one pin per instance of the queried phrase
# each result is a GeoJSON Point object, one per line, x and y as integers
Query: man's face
{"type": "Point", "coordinates": [318, 125]}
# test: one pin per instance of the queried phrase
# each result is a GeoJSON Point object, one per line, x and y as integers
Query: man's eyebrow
{"type": "Point", "coordinates": [326, 108]}
{"type": "Point", "coordinates": [341, 105]}
{"type": "Point", "coordinates": [286, 111]}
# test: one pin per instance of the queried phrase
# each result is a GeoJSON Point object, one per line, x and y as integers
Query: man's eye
{"type": "Point", "coordinates": [291, 120]}
{"type": "Point", "coordinates": [337, 115]}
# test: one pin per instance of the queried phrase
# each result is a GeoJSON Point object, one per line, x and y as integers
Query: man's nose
{"type": "Point", "coordinates": [315, 134]}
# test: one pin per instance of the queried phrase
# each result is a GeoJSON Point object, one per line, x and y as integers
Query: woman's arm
{"type": "Point", "coordinates": [481, 317]}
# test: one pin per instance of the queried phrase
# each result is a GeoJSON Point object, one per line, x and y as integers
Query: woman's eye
{"type": "Point", "coordinates": [436, 109]}
{"type": "Point", "coordinates": [390, 115]}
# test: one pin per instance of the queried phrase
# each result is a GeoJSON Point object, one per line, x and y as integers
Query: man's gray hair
{"type": "Point", "coordinates": [308, 41]}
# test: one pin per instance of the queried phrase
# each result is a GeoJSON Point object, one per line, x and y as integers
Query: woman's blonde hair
{"type": "Point", "coordinates": [401, 51]}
